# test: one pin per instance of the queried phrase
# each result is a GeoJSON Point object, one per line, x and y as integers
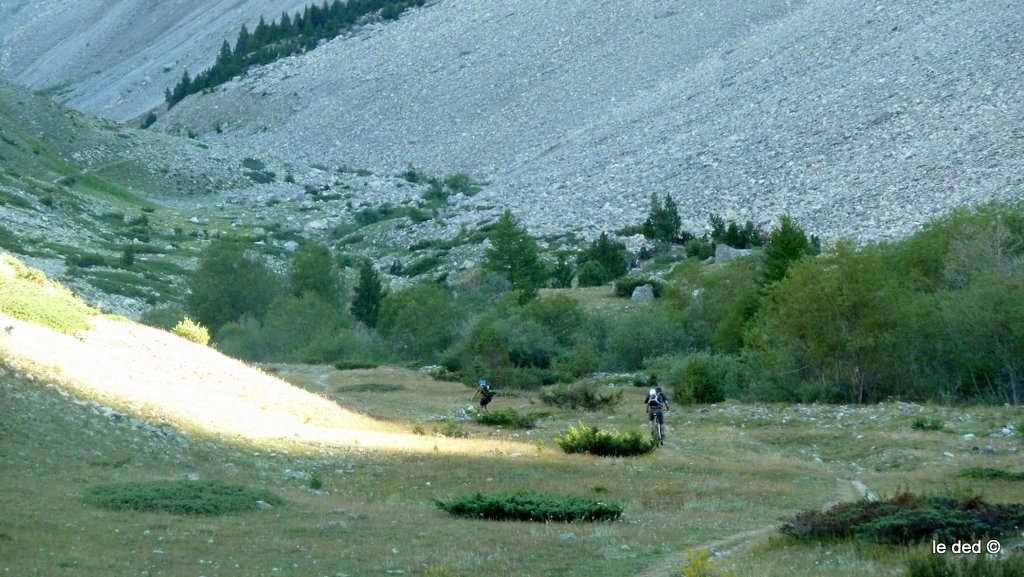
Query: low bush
{"type": "Point", "coordinates": [508, 418]}
{"type": "Point", "coordinates": [925, 424]}
{"type": "Point", "coordinates": [371, 388]}
{"type": "Point", "coordinates": [191, 330]}
{"type": "Point", "coordinates": [907, 518]}
{"type": "Point", "coordinates": [179, 497]}
{"type": "Point", "coordinates": [586, 439]}
{"type": "Point", "coordinates": [452, 430]}
{"type": "Point", "coordinates": [531, 507]}
{"type": "Point", "coordinates": [991, 474]}
{"type": "Point", "coordinates": [353, 365]}
{"type": "Point", "coordinates": [625, 286]}
{"type": "Point", "coordinates": [582, 397]}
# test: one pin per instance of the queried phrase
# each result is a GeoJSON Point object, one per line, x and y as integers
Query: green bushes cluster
{"type": "Point", "coordinates": [179, 497]}
{"type": "Point", "coordinates": [991, 474]}
{"type": "Point", "coordinates": [510, 418]}
{"type": "Point", "coordinates": [583, 397]}
{"type": "Point", "coordinates": [531, 507]}
{"type": "Point", "coordinates": [191, 330]}
{"type": "Point", "coordinates": [907, 518]}
{"type": "Point", "coordinates": [587, 439]}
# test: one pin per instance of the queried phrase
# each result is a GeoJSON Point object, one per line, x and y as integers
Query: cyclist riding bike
{"type": "Point", "coordinates": [657, 404]}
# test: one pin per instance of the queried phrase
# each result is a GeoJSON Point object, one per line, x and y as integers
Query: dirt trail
{"type": "Point", "coordinates": [846, 490]}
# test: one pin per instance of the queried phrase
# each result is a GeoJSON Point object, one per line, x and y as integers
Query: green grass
{"type": "Point", "coordinates": [726, 476]}
{"type": "Point", "coordinates": [44, 305]}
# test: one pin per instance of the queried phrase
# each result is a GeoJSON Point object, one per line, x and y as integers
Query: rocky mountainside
{"type": "Point", "coordinates": [860, 119]}
{"type": "Point", "coordinates": [115, 58]}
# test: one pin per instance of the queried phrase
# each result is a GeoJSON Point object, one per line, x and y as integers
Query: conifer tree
{"type": "Point", "coordinates": [513, 254]}
{"type": "Point", "coordinates": [369, 293]}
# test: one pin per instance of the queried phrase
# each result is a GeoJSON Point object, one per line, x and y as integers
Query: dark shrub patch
{"type": "Point", "coordinates": [179, 497]}
{"type": "Point", "coordinates": [625, 286]}
{"type": "Point", "coordinates": [508, 418]}
{"type": "Point", "coordinates": [907, 518]}
{"type": "Point", "coordinates": [352, 365]}
{"type": "Point", "coordinates": [584, 397]}
{"type": "Point", "coordinates": [531, 507]}
{"type": "Point", "coordinates": [585, 439]}
{"type": "Point", "coordinates": [991, 474]}
{"type": "Point", "coordinates": [923, 424]}
{"type": "Point", "coordinates": [371, 388]}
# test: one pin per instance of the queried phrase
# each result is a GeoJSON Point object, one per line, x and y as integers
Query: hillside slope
{"type": "Point", "coordinates": [114, 59]}
{"type": "Point", "coordinates": [859, 119]}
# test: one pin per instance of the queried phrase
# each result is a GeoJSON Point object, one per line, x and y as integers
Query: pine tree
{"type": "Point", "coordinates": [513, 254]}
{"type": "Point", "coordinates": [368, 295]}
{"type": "Point", "coordinates": [786, 245]}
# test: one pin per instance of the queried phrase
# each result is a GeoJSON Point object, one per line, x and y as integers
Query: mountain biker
{"type": "Point", "coordinates": [657, 403]}
{"type": "Point", "coordinates": [486, 394]}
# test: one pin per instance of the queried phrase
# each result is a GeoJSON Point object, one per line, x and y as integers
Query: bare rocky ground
{"type": "Point", "coordinates": [860, 119]}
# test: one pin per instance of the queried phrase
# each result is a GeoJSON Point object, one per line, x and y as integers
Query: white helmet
{"type": "Point", "coordinates": [653, 393]}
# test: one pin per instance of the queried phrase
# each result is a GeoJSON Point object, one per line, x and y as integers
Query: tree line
{"type": "Point", "coordinates": [937, 316]}
{"type": "Point", "coordinates": [284, 37]}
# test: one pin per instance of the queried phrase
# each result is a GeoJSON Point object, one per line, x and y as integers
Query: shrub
{"type": "Point", "coordinates": [581, 397]}
{"type": "Point", "coordinates": [585, 439]}
{"type": "Point", "coordinates": [371, 388]}
{"type": "Point", "coordinates": [531, 507]}
{"type": "Point", "coordinates": [907, 518]}
{"type": "Point", "coordinates": [179, 497]}
{"type": "Point", "coordinates": [162, 317]}
{"type": "Point", "coordinates": [452, 430]}
{"type": "Point", "coordinates": [624, 287]}
{"type": "Point", "coordinates": [991, 474]}
{"type": "Point", "coordinates": [925, 424]}
{"type": "Point", "coordinates": [191, 330]}
{"type": "Point", "coordinates": [353, 365]}
{"type": "Point", "coordinates": [508, 418]}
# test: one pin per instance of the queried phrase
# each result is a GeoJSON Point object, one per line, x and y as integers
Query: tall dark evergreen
{"type": "Point", "coordinates": [787, 244]}
{"type": "Point", "coordinates": [369, 294]}
{"type": "Point", "coordinates": [663, 221]}
{"type": "Point", "coordinates": [513, 254]}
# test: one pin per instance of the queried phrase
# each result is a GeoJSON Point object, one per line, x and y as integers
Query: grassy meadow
{"type": "Point", "coordinates": [726, 477]}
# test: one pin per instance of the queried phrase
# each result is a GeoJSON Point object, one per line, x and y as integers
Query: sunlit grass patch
{"type": "Point", "coordinates": [27, 295]}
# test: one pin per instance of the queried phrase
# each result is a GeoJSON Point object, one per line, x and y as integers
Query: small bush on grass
{"type": "Point", "coordinates": [924, 424]}
{"type": "Point", "coordinates": [531, 507]}
{"type": "Point", "coordinates": [191, 330]}
{"type": "Point", "coordinates": [508, 418]}
{"type": "Point", "coordinates": [352, 365]}
{"type": "Point", "coordinates": [625, 286]}
{"type": "Point", "coordinates": [583, 397]}
{"type": "Point", "coordinates": [586, 439]}
{"type": "Point", "coordinates": [932, 565]}
{"type": "Point", "coordinates": [907, 518]}
{"type": "Point", "coordinates": [991, 474]}
{"type": "Point", "coordinates": [179, 497]}
{"type": "Point", "coordinates": [453, 430]}
{"type": "Point", "coordinates": [371, 388]}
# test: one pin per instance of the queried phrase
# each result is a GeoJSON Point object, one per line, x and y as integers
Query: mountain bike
{"type": "Point", "coordinates": [658, 430]}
